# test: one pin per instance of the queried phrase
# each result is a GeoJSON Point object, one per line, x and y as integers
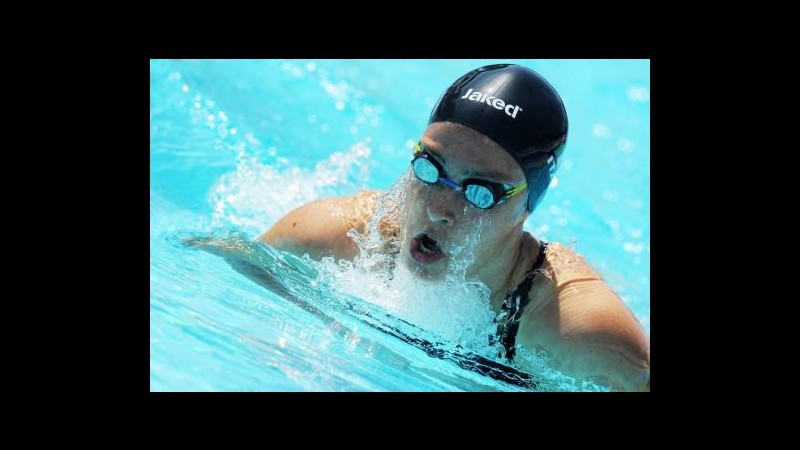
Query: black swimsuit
{"type": "Point", "coordinates": [513, 306]}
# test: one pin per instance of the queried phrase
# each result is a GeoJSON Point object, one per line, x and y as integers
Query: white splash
{"type": "Point", "coordinates": [256, 195]}
{"type": "Point", "coordinates": [455, 308]}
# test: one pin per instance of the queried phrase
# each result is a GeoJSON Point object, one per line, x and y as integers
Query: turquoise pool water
{"type": "Point", "coordinates": [235, 144]}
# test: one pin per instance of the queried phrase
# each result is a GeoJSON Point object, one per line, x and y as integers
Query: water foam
{"type": "Point", "coordinates": [456, 308]}
{"type": "Point", "coordinates": [256, 195]}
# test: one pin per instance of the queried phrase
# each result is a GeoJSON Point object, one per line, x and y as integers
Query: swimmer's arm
{"type": "Point", "coordinates": [320, 228]}
{"type": "Point", "coordinates": [620, 363]}
{"type": "Point", "coordinates": [589, 333]}
{"type": "Point", "coordinates": [238, 251]}
{"type": "Point", "coordinates": [605, 340]}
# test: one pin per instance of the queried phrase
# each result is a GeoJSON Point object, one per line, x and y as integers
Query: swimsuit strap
{"type": "Point", "coordinates": [513, 306]}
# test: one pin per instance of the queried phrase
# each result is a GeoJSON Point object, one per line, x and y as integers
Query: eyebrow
{"type": "Point", "coordinates": [488, 176]}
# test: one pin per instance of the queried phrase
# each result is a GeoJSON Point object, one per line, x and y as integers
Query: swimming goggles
{"type": "Point", "coordinates": [481, 193]}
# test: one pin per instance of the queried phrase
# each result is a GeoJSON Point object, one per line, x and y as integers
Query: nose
{"type": "Point", "coordinates": [440, 207]}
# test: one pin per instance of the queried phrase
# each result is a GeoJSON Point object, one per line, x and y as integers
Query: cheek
{"type": "Point", "coordinates": [471, 214]}
{"type": "Point", "coordinates": [416, 200]}
{"type": "Point", "coordinates": [422, 194]}
{"type": "Point", "coordinates": [413, 208]}
{"type": "Point", "coordinates": [512, 214]}
{"type": "Point", "coordinates": [415, 192]}
{"type": "Point", "coordinates": [495, 225]}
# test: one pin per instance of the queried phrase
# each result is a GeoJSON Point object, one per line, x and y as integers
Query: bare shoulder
{"type": "Point", "coordinates": [320, 228]}
{"type": "Point", "coordinates": [584, 324]}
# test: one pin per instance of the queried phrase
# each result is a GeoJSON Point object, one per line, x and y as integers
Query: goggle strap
{"type": "Point", "coordinates": [517, 189]}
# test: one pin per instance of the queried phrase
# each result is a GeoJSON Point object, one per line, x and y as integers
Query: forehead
{"type": "Point", "coordinates": [469, 150]}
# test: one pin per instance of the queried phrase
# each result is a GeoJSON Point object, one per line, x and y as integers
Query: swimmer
{"type": "Point", "coordinates": [491, 147]}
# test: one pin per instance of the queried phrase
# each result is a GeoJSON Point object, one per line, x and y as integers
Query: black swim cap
{"type": "Point", "coordinates": [516, 108]}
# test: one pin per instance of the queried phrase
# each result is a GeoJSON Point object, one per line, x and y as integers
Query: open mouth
{"type": "Point", "coordinates": [425, 249]}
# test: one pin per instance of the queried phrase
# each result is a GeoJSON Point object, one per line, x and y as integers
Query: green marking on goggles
{"type": "Point", "coordinates": [481, 193]}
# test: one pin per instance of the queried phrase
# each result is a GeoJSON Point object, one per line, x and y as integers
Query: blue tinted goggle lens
{"type": "Point", "coordinates": [479, 196]}
{"type": "Point", "coordinates": [425, 170]}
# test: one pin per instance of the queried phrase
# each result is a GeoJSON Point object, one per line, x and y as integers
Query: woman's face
{"type": "Point", "coordinates": [441, 226]}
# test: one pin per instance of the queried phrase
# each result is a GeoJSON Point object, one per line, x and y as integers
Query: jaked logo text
{"type": "Point", "coordinates": [495, 102]}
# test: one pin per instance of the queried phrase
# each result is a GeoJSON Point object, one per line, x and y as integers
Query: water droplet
{"type": "Point", "coordinates": [601, 130]}
{"type": "Point", "coordinates": [625, 145]}
{"type": "Point", "coordinates": [633, 248]}
{"type": "Point", "coordinates": [638, 93]}
{"type": "Point", "coordinates": [610, 196]}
